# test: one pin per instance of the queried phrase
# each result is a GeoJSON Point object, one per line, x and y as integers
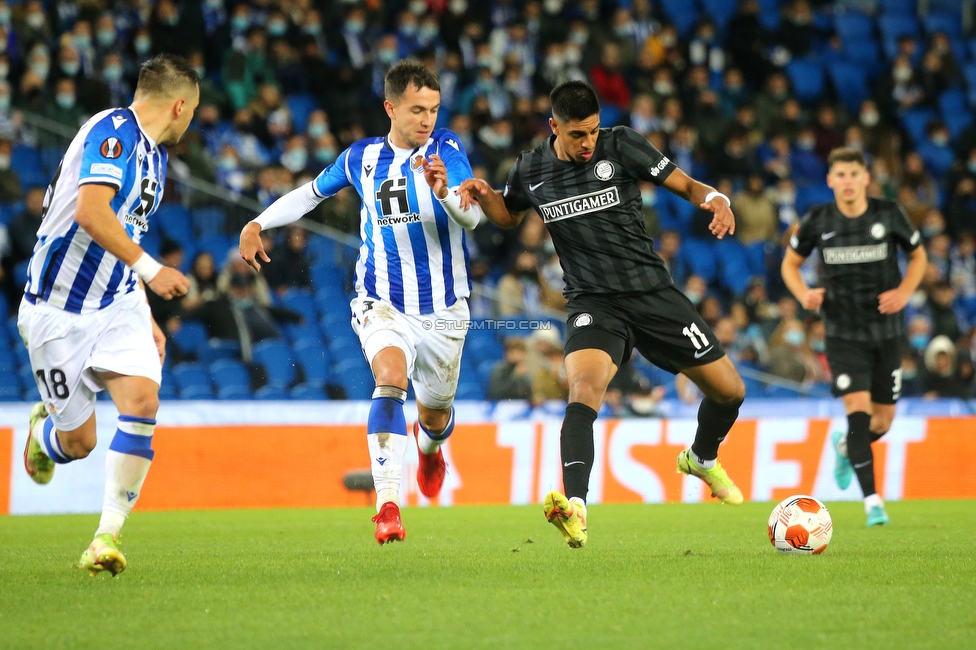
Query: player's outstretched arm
{"type": "Point", "coordinates": [288, 209]}
{"type": "Point", "coordinates": [811, 299]}
{"type": "Point", "coordinates": [475, 190]}
{"type": "Point", "coordinates": [94, 214]}
{"type": "Point", "coordinates": [706, 198]}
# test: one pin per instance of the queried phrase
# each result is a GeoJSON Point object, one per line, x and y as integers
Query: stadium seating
{"type": "Point", "coordinates": [191, 338]}
{"type": "Point", "coordinates": [899, 7]}
{"type": "Point", "coordinates": [850, 84]}
{"type": "Point", "coordinates": [192, 381]}
{"type": "Point", "coordinates": [227, 374]}
{"type": "Point", "coordinates": [275, 358]}
{"type": "Point", "coordinates": [916, 121]}
{"type": "Point", "coordinates": [682, 13]}
{"type": "Point", "coordinates": [315, 362]}
{"type": "Point", "coordinates": [217, 349]}
{"type": "Point", "coordinates": [854, 26]}
{"type": "Point", "coordinates": [308, 392]}
{"type": "Point", "coordinates": [807, 78]}
{"type": "Point", "coordinates": [300, 301]}
{"type": "Point", "coordinates": [208, 221]}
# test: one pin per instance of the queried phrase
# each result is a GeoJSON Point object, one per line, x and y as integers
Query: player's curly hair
{"type": "Point", "coordinates": [406, 74]}
{"type": "Point", "coordinates": [165, 74]}
{"type": "Point", "coordinates": [573, 100]}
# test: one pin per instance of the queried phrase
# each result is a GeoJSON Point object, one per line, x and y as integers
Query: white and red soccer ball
{"type": "Point", "coordinates": [800, 525]}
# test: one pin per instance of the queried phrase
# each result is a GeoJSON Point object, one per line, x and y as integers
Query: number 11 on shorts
{"type": "Point", "coordinates": [695, 334]}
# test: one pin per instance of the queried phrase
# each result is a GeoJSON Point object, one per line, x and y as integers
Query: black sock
{"type": "Point", "coordinates": [576, 447]}
{"type": "Point", "coordinates": [859, 450]}
{"type": "Point", "coordinates": [714, 422]}
{"type": "Point", "coordinates": [876, 436]}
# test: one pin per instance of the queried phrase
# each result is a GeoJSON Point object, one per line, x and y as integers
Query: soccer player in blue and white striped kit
{"type": "Point", "coordinates": [84, 316]}
{"type": "Point", "coordinates": [412, 282]}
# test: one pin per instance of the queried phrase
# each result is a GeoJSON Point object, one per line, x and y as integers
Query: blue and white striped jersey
{"type": "Point", "coordinates": [413, 254]}
{"type": "Point", "coordinates": [68, 269]}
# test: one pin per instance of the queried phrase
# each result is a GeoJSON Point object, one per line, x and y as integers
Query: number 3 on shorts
{"type": "Point", "coordinates": [896, 387]}
{"type": "Point", "coordinates": [58, 382]}
{"type": "Point", "coordinates": [692, 332]}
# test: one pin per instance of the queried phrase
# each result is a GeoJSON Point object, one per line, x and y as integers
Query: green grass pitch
{"type": "Point", "coordinates": [661, 576]}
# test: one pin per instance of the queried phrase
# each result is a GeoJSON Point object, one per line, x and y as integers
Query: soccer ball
{"type": "Point", "coordinates": [800, 525]}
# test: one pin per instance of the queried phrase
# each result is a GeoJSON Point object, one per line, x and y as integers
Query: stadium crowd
{"type": "Point", "coordinates": [749, 96]}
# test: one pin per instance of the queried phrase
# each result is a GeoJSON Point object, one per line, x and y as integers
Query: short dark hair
{"type": "Point", "coordinates": [165, 74]}
{"type": "Point", "coordinates": [574, 100]}
{"type": "Point", "coordinates": [408, 73]}
{"type": "Point", "coordinates": [845, 155]}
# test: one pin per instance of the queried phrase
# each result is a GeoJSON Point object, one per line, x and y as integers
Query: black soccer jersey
{"type": "Point", "coordinates": [593, 211]}
{"type": "Point", "coordinates": [859, 262]}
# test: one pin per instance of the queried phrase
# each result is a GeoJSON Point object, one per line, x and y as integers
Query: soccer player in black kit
{"type": "Point", "coordinates": [862, 299]}
{"type": "Point", "coordinates": [583, 182]}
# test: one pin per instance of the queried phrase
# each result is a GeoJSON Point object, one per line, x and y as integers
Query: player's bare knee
{"type": "Point", "coordinates": [435, 420]}
{"type": "Point", "coordinates": [730, 392]}
{"type": "Point", "coordinates": [587, 390]}
{"type": "Point", "coordinates": [736, 393]}
{"type": "Point", "coordinates": [880, 425]}
{"type": "Point", "coordinates": [142, 404]}
{"type": "Point", "coordinates": [387, 376]}
{"type": "Point", "coordinates": [76, 447]}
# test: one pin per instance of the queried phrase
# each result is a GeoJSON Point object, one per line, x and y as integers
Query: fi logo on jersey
{"type": "Point", "coordinates": [111, 148]}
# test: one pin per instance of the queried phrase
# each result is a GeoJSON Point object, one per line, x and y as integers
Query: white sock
{"type": "Point", "coordinates": [126, 467]}
{"type": "Point", "coordinates": [870, 501]}
{"type": "Point", "coordinates": [701, 462]}
{"type": "Point", "coordinates": [386, 451]}
{"type": "Point", "coordinates": [579, 503]}
{"type": "Point", "coordinates": [842, 446]}
{"type": "Point", "coordinates": [427, 443]}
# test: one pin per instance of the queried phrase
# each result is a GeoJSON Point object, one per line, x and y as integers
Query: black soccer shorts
{"type": "Point", "coordinates": [663, 325]}
{"type": "Point", "coordinates": [873, 366]}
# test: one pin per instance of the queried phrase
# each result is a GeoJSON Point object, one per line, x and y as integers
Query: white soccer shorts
{"type": "Point", "coordinates": [431, 344]}
{"type": "Point", "coordinates": [68, 350]}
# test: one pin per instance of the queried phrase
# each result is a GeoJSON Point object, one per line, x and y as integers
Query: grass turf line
{"type": "Point", "coordinates": [651, 576]}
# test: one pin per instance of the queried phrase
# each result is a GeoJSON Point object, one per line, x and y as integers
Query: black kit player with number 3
{"type": "Point", "coordinates": [584, 183]}
{"type": "Point", "coordinates": [861, 300]}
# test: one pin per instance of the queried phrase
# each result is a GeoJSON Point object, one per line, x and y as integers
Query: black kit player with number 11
{"type": "Point", "coordinates": [583, 182]}
{"type": "Point", "coordinates": [862, 299]}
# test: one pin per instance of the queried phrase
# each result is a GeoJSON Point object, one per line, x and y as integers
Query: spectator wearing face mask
{"type": "Point", "coordinates": [229, 171]}
{"type": "Point", "coordinates": [64, 110]}
{"type": "Point", "coordinates": [789, 355]}
{"type": "Point", "coordinates": [33, 26]}
{"type": "Point", "coordinates": [119, 90]}
{"type": "Point", "coordinates": [510, 378]}
{"type": "Point", "coordinates": [242, 310]}
{"type": "Point", "coordinates": [918, 333]}
{"type": "Point", "coordinates": [167, 312]}
{"type": "Point", "coordinates": [756, 218]}
{"type": "Point", "coordinates": [289, 268]}
{"type": "Point", "coordinates": [960, 210]}
{"type": "Point", "coordinates": [10, 189]}
{"type": "Point", "coordinates": [523, 290]}
{"type": "Point", "coordinates": [294, 158]}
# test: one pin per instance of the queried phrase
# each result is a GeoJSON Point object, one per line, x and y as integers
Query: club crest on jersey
{"type": "Point", "coordinates": [583, 320]}
{"type": "Point", "coordinates": [843, 382]}
{"type": "Point", "coordinates": [417, 164]}
{"type": "Point", "coordinates": [111, 148]}
{"type": "Point", "coordinates": [878, 230]}
{"type": "Point", "coordinates": [604, 170]}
